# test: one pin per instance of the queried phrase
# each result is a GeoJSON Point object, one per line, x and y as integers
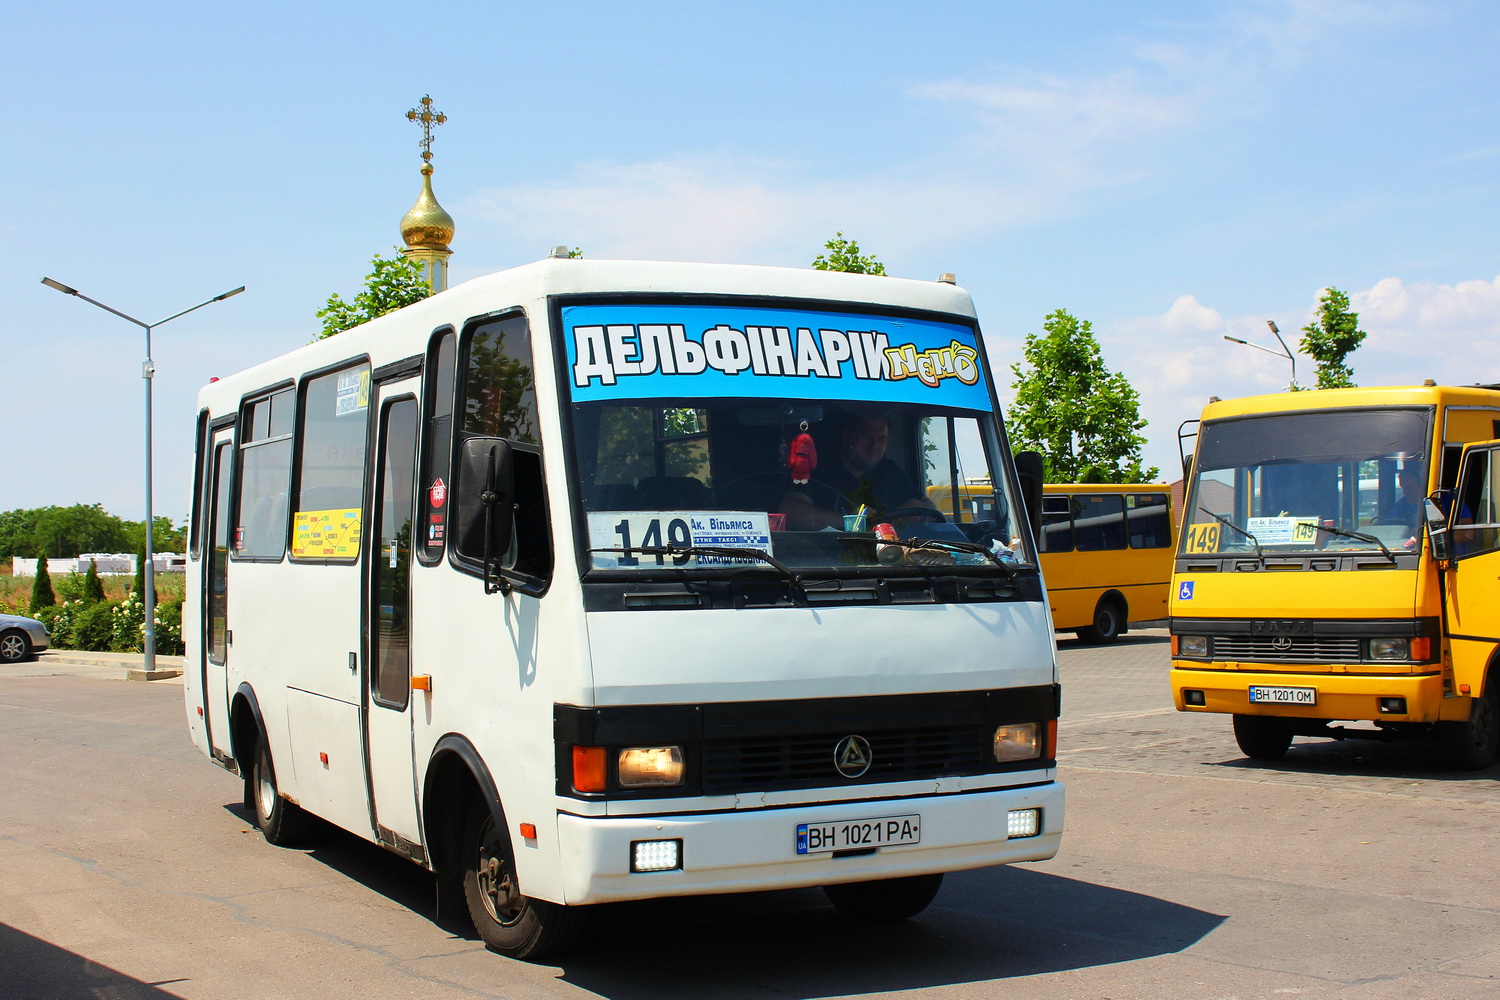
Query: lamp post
{"type": "Point", "coordinates": [148, 370]}
{"type": "Point", "coordinates": [1284, 353]}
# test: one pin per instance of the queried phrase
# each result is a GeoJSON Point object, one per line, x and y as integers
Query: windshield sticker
{"type": "Point", "coordinates": [353, 392]}
{"type": "Point", "coordinates": [649, 351]}
{"type": "Point", "coordinates": [648, 534]}
{"type": "Point", "coordinates": [1282, 530]}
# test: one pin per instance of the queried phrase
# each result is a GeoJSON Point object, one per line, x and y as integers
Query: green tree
{"type": "Point", "coordinates": [393, 282]}
{"type": "Point", "coordinates": [1069, 406]}
{"type": "Point", "coordinates": [844, 255]}
{"type": "Point", "coordinates": [93, 587]}
{"type": "Point", "coordinates": [165, 536]}
{"type": "Point", "coordinates": [1332, 338]}
{"type": "Point", "coordinates": [41, 587]}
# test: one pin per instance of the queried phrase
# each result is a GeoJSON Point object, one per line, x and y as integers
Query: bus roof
{"type": "Point", "coordinates": [1338, 399]}
{"type": "Point", "coordinates": [528, 284]}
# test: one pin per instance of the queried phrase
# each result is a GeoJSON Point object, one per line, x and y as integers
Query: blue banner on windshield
{"type": "Point", "coordinates": [644, 351]}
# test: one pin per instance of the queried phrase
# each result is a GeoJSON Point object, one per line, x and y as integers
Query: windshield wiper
{"type": "Point", "coordinates": [1357, 536]}
{"type": "Point", "coordinates": [942, 545]}
{"type": "Point", "coordinates": [712, 550]}
{"type": "Point", "coordinates": [1228, 523]}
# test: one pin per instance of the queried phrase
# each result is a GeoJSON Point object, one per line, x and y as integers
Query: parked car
{"type": "Point", "coordinates": [21, 638]}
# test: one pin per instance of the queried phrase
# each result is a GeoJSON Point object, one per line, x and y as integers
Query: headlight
{"type": "Point", "coordinates": [1389, 649]}
{"type": "Point", "coordinates": [1017, 741]}
{"type": "Point", "coordinates": [651, 767]}
{"type": "Point", "coordinates": [1192, 645]}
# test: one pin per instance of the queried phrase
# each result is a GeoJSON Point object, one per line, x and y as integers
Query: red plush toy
{"type": "Point", "coordinates": [802, 458]}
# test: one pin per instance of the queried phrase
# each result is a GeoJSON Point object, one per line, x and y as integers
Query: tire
{"type": "Point", "coordinates": [884, 900]}
{"type": "Point", "coordinates": [1109, 623]}
{"type": "Point", "coordinates": [15, 647]}
{"type": "Point", "coordinates": [281, 822]}
{"type": "Point", "coordinates": [1473, 745]}
{"type": "Point", "coordinates": [1262, 737]}
{"type": "Point", "coordinates": [508, 922]}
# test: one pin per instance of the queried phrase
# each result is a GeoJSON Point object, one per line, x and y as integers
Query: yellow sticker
{"type": "Point", "coordinates": [1202, 538]}
{"type": "Point", "coordinates": [326, 534]}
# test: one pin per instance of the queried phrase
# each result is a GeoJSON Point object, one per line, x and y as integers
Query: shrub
{"type": "Point", "coordinates": [93, 587]}
{"type": "Point", "coordinates": [41, 587]}
{"type": "Point", "coordinates": [70, 587]}
{"type": "Point", "coordinates": [169, 627]}
{"type": "Point", "coordinates": [126, 635]}
{"type": "Point", "coordinates": [92, 627]}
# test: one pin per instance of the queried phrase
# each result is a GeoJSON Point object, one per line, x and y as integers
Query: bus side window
{"type": "Point", "coordinates": [499, 400]}
{"type": "Point", "coordinates": [1476, 519]}
{"type": "Point", "coordinates": [1150, 527]}
{"type": "Point", "coordinates": [1057, 524]}
{"type": "Point", "coordinates": [1099, 522]}
{"type": "Point", "coordinates": [331, 466]}
{"type": "Point", "coordinates": [265, 457]}
{"type": "Point", "coordinates": [436, 480]}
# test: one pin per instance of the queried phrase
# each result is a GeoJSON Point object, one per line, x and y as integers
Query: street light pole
{"type": "Point", "coordinates": [1285, 351]}
{"type": "Point", "coordinates": [148, 371]}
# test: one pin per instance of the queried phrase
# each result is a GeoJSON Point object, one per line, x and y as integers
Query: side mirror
{"type": "Point", "coordinates": [1032, 472]}
{"type": "Point", "coordinates": [1437, 530]}
{"type": "Point", "coordinates": [484, 510]}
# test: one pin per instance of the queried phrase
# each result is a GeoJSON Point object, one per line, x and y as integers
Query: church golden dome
{"type": "Point", "coordinates": [427, 226]}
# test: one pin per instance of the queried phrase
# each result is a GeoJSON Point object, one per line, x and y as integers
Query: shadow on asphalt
{"type": "Point", "coordinates": [993, 923]}
{"type": "Point", "coordinates": [1066, 641]}
{"type": "Point", "coordinates": [38, 970]}
{"type": "Point", "coordinates": [1414, 760]}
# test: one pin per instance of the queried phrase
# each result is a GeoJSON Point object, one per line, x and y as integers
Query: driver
{"type": "Point", "coordinates": [862, 475]}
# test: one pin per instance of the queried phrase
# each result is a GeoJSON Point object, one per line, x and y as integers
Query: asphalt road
{"type": "Point", "coordinates": [1353, 870]}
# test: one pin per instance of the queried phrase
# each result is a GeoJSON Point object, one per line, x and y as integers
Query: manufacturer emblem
{"type": "Point", "coordinates": [1281, 643]}
{"type": "Point", "coordinates": [852, 756]}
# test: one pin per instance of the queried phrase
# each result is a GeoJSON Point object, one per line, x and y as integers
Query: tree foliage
{"type": "Point", "coordinates": [1069, 406]}
{"type": "Point", "coordinates": [41, 586]}
{"type": "Point", "coordinates": [393, 282]}
{"type": "Point", "coordinates": [844, 255]}
{"type": "Point", "coordinates": [93, 587]}
{"type": "Point", "coordinates": [71, 531]}
{"type": "Point", "coordinates": [1331, 339]}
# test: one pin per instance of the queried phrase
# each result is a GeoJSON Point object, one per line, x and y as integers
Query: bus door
{"type": "Point", "coordinates": [387, 700]}
{"type": "Point", "coordinates": [214, 655]}
{"type": "Point", "coordinates": [1474, 581]}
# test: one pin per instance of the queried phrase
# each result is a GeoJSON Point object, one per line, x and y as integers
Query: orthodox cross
{"type": "Point", "coordinates": [428, 118]}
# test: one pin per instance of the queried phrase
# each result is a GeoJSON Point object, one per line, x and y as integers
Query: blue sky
{"type": "Point", "coordinates": [1171, 172]}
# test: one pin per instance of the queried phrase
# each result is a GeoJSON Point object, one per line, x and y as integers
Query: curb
{"type": "Point", "coordinates": [167, 667]}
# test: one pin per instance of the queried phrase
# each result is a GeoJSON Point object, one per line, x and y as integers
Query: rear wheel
{"type": "Point", "coordinates": [281, 822]}
{"type": "Point", "coordinates": [885, 899]}
{"type": "Point", "coordinates": [1109, 623]}
{"type": "Point", "coordinates": [1262, 737]}
{"type": "Point", "coordinates": [1473, 745]}
{"type": "Point", "coordinates": [507, 921]}
{"type": "Point", "coordinates": [14, 647]}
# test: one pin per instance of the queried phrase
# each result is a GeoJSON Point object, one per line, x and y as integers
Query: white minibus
{"type": "Point", "coordinates": [594, 580]}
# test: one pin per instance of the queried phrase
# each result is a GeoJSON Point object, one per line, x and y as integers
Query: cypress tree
{"type": "Point", "coordinates": [41, 588]}
{"type": "Point", "coordinates": [93, 587]}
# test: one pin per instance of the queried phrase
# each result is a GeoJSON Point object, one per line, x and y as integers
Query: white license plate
{"type": "Point", "coordinates": [1260, 695]}
{"type": "Point", "coordinates": [858, 834]}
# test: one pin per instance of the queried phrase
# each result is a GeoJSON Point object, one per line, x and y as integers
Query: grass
{"type": "Point", "coordinates": [15, 591]}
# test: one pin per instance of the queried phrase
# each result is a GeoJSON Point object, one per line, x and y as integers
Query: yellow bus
{"type": "Point", "coordinates": [1105, 550]}
{"type": "Point", "coordinates": [1306, 594]}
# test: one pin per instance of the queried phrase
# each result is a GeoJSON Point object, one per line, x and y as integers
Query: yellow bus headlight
{"type": "Point", "coordinates": [1192, 645]}
{"type": "Point", "coordinates": [1389, 649]}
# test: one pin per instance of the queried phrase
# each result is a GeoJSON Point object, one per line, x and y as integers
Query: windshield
{"type": "Point", "coordinates": [1296, 482]}
{"type": "Point", "coordinates": [696, 445]}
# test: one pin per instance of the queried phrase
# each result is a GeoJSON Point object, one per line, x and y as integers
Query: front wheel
{"type": "Point", "coordinates": [1109, 624]}
{"type": "Point", "coordinates": [886, 899]}
{"type": "Point", "coordinates": [507, 921]}
{"type": "Point", "coordinates": [1472, 745]}
{"type": "Point", "coordinates": [1262, 737]}
{"type": "Point", "coordinates": [14, 647]}
{"type": "Point", "coordinates": [281, 822]}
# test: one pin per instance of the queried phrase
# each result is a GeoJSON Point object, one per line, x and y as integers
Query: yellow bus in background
{"type": "Point", "coordinates": [1106, 552]}
{"type": "Point", "coordinates": [1306, 593]}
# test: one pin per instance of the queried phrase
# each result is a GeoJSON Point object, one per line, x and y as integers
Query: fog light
{"type": "Point", "coordinates": [650, 767]}
{"type": "Point", "coordinates": [1016, 742]}
{"type": "Point", "coordinates": [1392, 706]}
{"type": "Point", "coordinates": [1389, 649]}
{"type": "Point", "coordinates": [1023, 823]}
{"type": "Point", "coordinates": [1190, 697]}
{"type": "Point", "coordinates": [1192, 645]}
{"type": "Point", "coordinates": [655, 855]}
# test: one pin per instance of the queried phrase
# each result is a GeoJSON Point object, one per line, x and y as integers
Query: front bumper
{"type": "Point", "coordinates": [756, 850]}
{"type": "Point", "coordinates": [1340, 696]}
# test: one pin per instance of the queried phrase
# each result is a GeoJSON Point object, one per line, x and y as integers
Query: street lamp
{"type": "Point", "coordinates": [147, 371]}
{"type": "Point", "coordinates": [1284, 353]}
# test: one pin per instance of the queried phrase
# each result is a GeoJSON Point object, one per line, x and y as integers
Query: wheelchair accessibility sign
{"type": "Point", "coordinates": [1185, 590]}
